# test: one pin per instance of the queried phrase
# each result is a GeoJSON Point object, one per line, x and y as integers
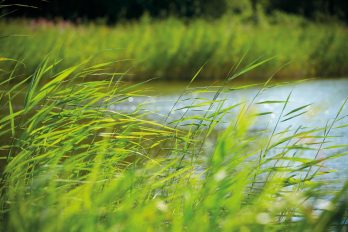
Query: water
{"type": "Point", "coordinates": [323, 97]}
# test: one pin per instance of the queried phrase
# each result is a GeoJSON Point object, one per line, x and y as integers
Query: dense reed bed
{"type": "Point", "coordinates": [71, 163]}
{"type": "Point", "coordinates": [174, 50]}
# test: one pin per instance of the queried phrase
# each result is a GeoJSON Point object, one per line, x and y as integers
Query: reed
{"type": "Point", "coordinates": [72, 163]}
{"type": "Point", "coordinates": [174, 50]}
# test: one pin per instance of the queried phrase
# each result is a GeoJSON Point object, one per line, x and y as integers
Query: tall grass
{"type": "Point", "coordinates": [173, 49]}
{"type": "Point", "coordinates": [74, 164]}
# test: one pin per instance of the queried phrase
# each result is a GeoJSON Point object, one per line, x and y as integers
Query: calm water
{"type": "Point", "coordinates": [325, 96]}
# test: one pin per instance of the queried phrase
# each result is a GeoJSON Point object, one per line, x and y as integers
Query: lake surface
{"type": "Point", "coordinates": [323, 97]}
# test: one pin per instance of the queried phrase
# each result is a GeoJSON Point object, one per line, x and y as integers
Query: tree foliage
{"type": "Point", "coordinates": [116, 10]}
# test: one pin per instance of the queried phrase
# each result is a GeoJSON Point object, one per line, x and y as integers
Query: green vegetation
{"type": "Point", "coordinates": [73, 164]}
{"type": "Point", "coordinates": [173, 50]}
{"type": "Point", "coordinates": [114, 11]}
{"type": "Point", "coordinates": [69, 161]}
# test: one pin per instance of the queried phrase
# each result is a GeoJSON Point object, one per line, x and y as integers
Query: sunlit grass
{"type": "Point", "coordinates": [71, 163]}
{"type": "Point", "coordinates": [174, 50]}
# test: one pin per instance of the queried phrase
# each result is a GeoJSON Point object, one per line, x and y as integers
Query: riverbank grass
{"type": "Point", "coordinates": [72, 163]}
{"type": "Point", "coordinates": [173, 49]}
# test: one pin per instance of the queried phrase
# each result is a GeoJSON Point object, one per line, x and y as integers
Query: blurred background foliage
{"type": "Point", "coordinates": [113, 11]}
{"type": "Point", "coordinates": [172, 39]}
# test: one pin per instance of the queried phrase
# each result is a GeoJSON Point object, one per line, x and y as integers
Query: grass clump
{"type": "Point", "coordinates": [174, 49]}
{"type": "Point", "coordinates": [72, 163]}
